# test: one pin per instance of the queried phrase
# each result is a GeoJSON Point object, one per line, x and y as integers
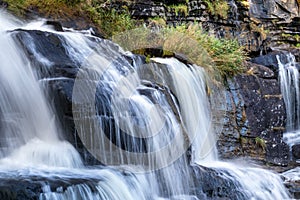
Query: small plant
{"type": "Point", "coordinates": [245, 3]}
{"type": "Point", "coordinates": [112, 22]}
{"type": "Point", "coordinates": [218, 8]}
{"type": "Point", "coordinates": [261, 143]}
{"type": "Point", "coordinates": [157, 21]}
{"type": "Point", "coordinates": [259, 29]}
{"type": "Point", "coordinates": [180, 8]}
{"type": "Point", "coordinates": [243, 140]}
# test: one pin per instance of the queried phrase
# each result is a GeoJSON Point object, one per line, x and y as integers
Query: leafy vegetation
{"type": "Point", "coordinates": [223, 55]}
{"type": "Point", "coordinates": [260, 142]}
{"type": "Point", "coordinates": [201, 48]}
{"type": "Point", "coordinates": [227, 54]}
{"type": "Point", "coordinates": [180, 8]}
{"type": "Point", "coordinates": [110, 21]}
{"type": "Point", "coordinates": [48, 7]}
{"type": "Point", "coordinates": [218, 7]}
{"type": "Point", "coordinates": [245, 3]}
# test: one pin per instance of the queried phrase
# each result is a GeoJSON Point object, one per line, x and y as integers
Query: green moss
{"type": "Point", "coordinates": [259, 29]}
{"type": "Point", "coordinates": [295, 39]}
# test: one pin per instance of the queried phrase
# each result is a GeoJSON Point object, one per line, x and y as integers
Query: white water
{"type": "Point", "coordinates": [256, 183]}
{"type": "Point", "coordinates": [26, 119]}
{"type": "Point", "coordinates": [289, 79]}
{"type": "Point", "coordinates": [33, 148]}
{"type": "Point", "coordinates": [194, 100]}
{"type": "Point", "coordinates": [289, 83]}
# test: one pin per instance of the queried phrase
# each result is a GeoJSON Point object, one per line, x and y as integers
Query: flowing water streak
{"type": "Point", "coordinates": [254, 183]}
{"type": "Point", "coordinates": [26, 119]}
{"type": "Point", "coordinates": [289, 83]}
{"type": "Point", "coordinates": [235, 13]}
{"type": "Point", "coordinates": [190, 89]}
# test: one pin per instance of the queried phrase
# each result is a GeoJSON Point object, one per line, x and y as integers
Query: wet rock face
{"type": "Point", "coordinates": [57, 71]}
{"type": "Point", "coordinates": [259, 26]}
{"type": "Point", "coordinates": [271, 9]}
{"type": "Point", "coordinates": [3, 4]}
{"type": "Point", "coordinates": [296, 151]}
{"type": "Point", "coordinates": [255, 117]}
{"type": "Point", "coordinates": [30, 187]}
{"type": "Point", "coordinates": [214, 186]}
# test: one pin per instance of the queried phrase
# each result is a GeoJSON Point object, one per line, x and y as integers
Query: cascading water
{"type": "Point", "coordinates": [143, 122]}
{"type": "Point", "coordinates": [289, 83]}
{"type": "Point", "coordinates": [25, 116]}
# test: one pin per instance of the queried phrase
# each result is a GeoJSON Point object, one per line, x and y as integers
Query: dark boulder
{"type": "Point", "coordinates": [296, 151]}
{"type": "Point", "coordinates": [55, 24]}
{"type": "Point", "coordinates": [47, 52]}
{"type": "Point", "coordinates": [277, 152]}
{"type": "Point", "coordinates": [3, 4]}
{"type": "Point", "coordinates": [17, 186]}
{"type": "Point", "coordinates": [212, 184]}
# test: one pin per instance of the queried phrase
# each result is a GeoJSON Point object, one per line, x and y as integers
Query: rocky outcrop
{"type": "Point", "coordinates": [274, 9]}
{"type": "Point", "coordinates": [255, 118]}
{"type": "Point", "coordinates": [260, 26]}
{"type": "Point", "coordinates": [57, 69]}
{"type": "Point", "coordinates": [214, 186]}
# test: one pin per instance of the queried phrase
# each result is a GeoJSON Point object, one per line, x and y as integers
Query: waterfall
{"type": "Point", "coordinates": [26, 119]}
{"type": "Point", "coordinates": [289, 83]}
{"type": "Point", "coordinates": [150, 125]}
{"type": "Point", "coordinates": [234, 13]}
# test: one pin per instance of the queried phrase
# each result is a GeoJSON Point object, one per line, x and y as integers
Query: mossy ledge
{"type": "Point", "coordinates": [227, 54]}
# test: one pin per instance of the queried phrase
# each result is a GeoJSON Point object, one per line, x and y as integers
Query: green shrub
{"type": "Point", "coordinates": [52, 8]}
{"type": "Point", "coordinates": [227, 54]}
{"type": "Point", "coordinates": [260, 142]}
{"type": "Point", "coordinates": [112, 22]}
{"type": "Point", "coordinates": [180, 8]}
{"type": "Point", "coordinates": [218, 7]}
{"type": "Point", "coordinates": [224, 56]}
